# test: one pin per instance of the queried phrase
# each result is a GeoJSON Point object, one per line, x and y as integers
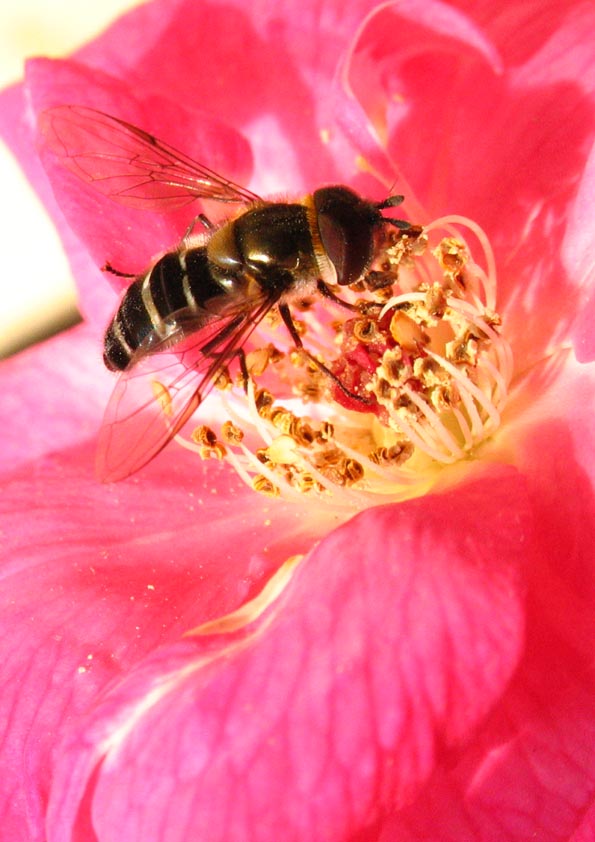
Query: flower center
{"type": "Point", "coordinates": [409, 376]}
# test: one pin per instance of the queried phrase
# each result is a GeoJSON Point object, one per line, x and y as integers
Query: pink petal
{"type": "Point", "coordinates": [530, 772]}
{"type": "Point", "coordinates": [47, 402]}
{"type": "Point", "coordinates": [96, 577]}
{"type": "Point", "coordinates": [531, 769]}
{"type": "Point", "coordinates": [550, 425]}
{"type": "Point", "coordinates": [586, 830]}
{"type": "Point", "coordinates": [392, 641]}
{"type": "Point", "coordinates": [418, 28]}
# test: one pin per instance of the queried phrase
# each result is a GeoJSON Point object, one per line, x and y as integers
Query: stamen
{"type": "Point", "coordinates": [418, 373]}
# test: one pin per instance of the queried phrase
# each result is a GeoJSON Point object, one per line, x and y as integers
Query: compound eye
{"type": "Point", "coordinates": [349, 246]}
{"type": "Point", "coordinates": [333, 241]}
{"type": "Point", "coordinates": [346, 225]}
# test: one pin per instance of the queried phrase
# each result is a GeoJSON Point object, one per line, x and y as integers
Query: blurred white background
{"type": "Point", "coordinates": [34, 307]}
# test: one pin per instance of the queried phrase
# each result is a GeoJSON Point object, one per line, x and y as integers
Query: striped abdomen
{"type": "Point", "coordinates": [178, 281]}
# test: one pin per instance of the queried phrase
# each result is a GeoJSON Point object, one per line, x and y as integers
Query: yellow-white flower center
{"type": "Point", "coordinates": [419, 374]}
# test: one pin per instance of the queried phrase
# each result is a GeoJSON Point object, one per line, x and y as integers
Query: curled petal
{"type": "Point", "coordinates": [578, 254]}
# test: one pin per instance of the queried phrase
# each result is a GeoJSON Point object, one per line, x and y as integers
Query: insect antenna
{"type": "Point", "coordinates": [402, 224]}
{"type": "Point", "coordinates": [392, 202]}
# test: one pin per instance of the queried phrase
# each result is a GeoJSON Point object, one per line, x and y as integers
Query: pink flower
{"type": "Point", "coordinates": [186, 660]}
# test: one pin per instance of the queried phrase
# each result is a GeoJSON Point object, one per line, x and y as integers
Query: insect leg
{"type": "Point", "coordinates": [240, 354]}
{"type": "Point", "coordinates": [210, 349]}
{"type": "Point", "coordinates": [290, 325]}
{"type": "Point", "coordinates": [327, 293]}
{"type": "Point", "coordinates": [204, 221]}
{"type": "Point", "coordinates": [109, 268]}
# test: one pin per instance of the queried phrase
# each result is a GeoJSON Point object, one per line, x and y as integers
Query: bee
{"type": "Point", "coordinates": [183, 320]}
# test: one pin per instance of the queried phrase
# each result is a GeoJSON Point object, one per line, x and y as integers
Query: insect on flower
{"type": "Point", "coordinates": [182, 321]}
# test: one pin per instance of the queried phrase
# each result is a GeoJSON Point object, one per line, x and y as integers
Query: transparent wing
{"type": "Point", "coordinates": [156, 396]}
{"type": "Point", "coordinates": [128, 164]}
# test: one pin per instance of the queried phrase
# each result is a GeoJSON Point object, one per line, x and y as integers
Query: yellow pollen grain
{"type": "Point", "coordinates": [451, 255]}
{"type": "Point", "coordinates": [302, 432]}
{"type": "Point", "coordinates": [325, 432]}
{"type": "Point", "coordinates": [406, 332]}
{"type": "Point", "coordinates": [393, 368]}
{"type": "Point", "coordinates": [380, 282]}
{"type": "Point", "coordinates": [353, 471]}
{"type": "Point", "coordinates": [445, 397]}
{"type": "Point", "coordinates": [224, 380]}
{"type": "Point", "coordinates": [309, 392]}
{"type": "Point", "coordinates": [435, 301]}
{"type": "Point", "coordinates": [402, 249]}
{"type": "Point", "coordinates": [396, 454]}
{"type": "Point", "coordinates": [258, 360]}
{"type": "Point", "coordinates": [463, 350]}
{"type": "Point", "coordinates": [263, 400]}
{"type": "Point", "coordinates": [273, 318]}
{"type": "Point", "coordinates": [262, 455]}
{"type": "Point", "coordinates": [300, 327]}
{"type": "Point", "coordinates": [281, 419]}
{"type": "Point", "coordinates": [263, 485]}
{"type": "Point", "coordinates": [365, 330]}
{"type": "Point", "coordinates": [203, 435]}
{"type": "Point", "coordinates": [427, 370]}
{"type": "Point", "coordinates": [305, 482]}
{"type": "Point", "coordinates": [231, 433]}
{"type": "Point", "coordinates": [217, 451]}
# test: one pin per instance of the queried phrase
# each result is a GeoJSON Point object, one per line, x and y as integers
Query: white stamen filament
{"type": "Point", "coordinates": [447, 222]}
{"type": "Point", "coordinates": [442, 435]}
